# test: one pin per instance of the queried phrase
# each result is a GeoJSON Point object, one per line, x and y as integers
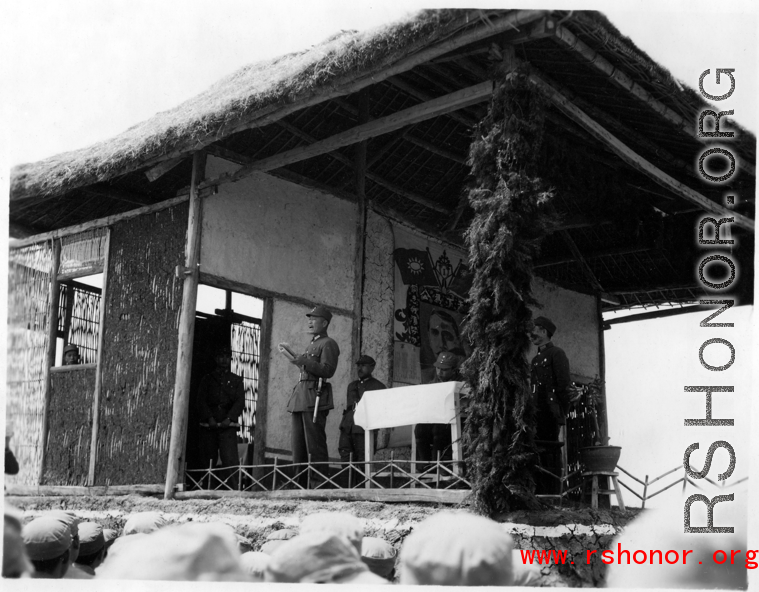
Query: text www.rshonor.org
{"type": "Point", "coordinates": [641, 557]}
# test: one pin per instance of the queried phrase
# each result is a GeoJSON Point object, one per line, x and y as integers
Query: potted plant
{"type": "Point", "coordinates": [601, 456]}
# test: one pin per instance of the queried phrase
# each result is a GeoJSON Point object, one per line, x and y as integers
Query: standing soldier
{"type": "Point", "coordinates": [221, 398]}
{"type": "Point", "coordinates": [309, 417]}
{"type": "Point", "coordinates": [551, 382]}
{"type": "Point", "coordinates": [352, 436]}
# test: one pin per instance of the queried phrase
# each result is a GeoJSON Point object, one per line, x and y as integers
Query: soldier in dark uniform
{"type": "Point", "coordinates": [352, 436]}
{"type": "Point", "coordinates": [221, 399]}
{"type": "Point", "coordinates": [318, 362]}
{"type": "Point", "coordinates": [432, 438]}
{"type": "Point", "coordinates": [550, 380]}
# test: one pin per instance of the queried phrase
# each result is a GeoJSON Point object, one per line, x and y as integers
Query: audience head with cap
{"type": "Point", "coordinates": [182, 552]}
{"type": "Point", "coordinates": [254, 564]}
{"type": "Point", "coordinates": [72, 522]}
{"type": "Point", "coordinates": [457, 549]}
{"type": "Point", "coordinates": [48, 543]}
{"type": "Point", "coordinates": [16, 563]}
{"type": "Point", "coordinates": [143, 522]}
{"type": "Point", "coordinates": [379, 557]}
{"type": "Point", "coordinates": [340, 523]}
{"type": "Point", "coordinates": [319, 557]}
{"type": "Point", "coordinates": [92, 548]}
{"type": "Point", "coordinates": [110, 535]}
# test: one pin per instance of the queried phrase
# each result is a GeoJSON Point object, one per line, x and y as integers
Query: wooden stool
{"type": "Point", "coordinates": [594, 491]}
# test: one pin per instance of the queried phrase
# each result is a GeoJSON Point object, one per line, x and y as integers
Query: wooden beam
{"type": "Point", "coordinates": [72, 490]}
{"type": "Point", "coordinates": [657, 314]}
{"type": "Point", "coordinates": [429, 146]}
{"type": "Point", "coordinates": [94, 435]}
{"type": "Point", "coordinates": [398, 190]}
{"type": "Point", "coordinates": [569, 40]}
{"type": "Point", "coordinates": [586, 270]}
{"type": "Point", "coordinates": [359, 260]}
{"type": "Point", "coordinates": [425, 96]}
{"type": "Point", "coordinates": [377, 127]}
{"type": "Point", "coordinates": [634, 159]}
{"type": "Point", "coordinates": [594, 255]}
{"type": "Point", "coordinates": [159, 170]}
{"type": "Point", "coordinates": [52, 336]}
{"type": "Point", "coordinates": [103, 222]}
{"type": "Point", "coordinates": [181, 401]}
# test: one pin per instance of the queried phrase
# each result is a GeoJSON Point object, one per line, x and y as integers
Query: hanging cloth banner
{"type": "Point", "coordinates": [431, 286]}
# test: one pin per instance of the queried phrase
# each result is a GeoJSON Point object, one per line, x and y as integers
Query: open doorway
{"type": "Point", "coordinates": [226, 318]}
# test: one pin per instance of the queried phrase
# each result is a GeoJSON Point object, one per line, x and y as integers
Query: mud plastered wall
{"type": "Point", "coordinates": [144, 298]}
{"type": "Point", "coordinates": [67, 458]}
{"type": "Point", "coordinates": [281, 237]}
{"type": "Point", "coordinates": [290, 326]}
{"type": "Point", "coordinates": [574, 315]}
{"type": "Point", "coordinates": [377, 328]}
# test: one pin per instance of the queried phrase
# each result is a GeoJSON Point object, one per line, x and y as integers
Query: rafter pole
{"type": "Point", "coordinates": [429, 146]}
{"type": "Point", "coordinates": [359, 258]}
{"type": "Point", "coordinates": [425, 96]}
{"type": "Point", "coordinates": [377, 127]}
{"type": "Point", "coordinates": [632, 158]}
{"type": "Point", "coordinates": [569, 40]}
{"type": "Point", "coordinates": [181, 402]}
{"type": "Point", "coordinates": [586, 270]}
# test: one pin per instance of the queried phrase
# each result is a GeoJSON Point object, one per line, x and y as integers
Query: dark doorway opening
{"type": "Point", "coordinates": [225, 318]}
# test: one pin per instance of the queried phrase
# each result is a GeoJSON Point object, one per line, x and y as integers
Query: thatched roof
{"type": "Point", "coordinates": [634, 236]}
{"type": "Point", "coordinates": [246, 94]}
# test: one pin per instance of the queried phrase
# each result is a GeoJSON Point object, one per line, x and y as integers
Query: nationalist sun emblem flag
{"type": "Point", "coordinates": [416, 267]}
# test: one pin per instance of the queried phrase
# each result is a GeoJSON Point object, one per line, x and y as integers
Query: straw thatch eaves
{"type": "Point", "coordinates": [625, 234]}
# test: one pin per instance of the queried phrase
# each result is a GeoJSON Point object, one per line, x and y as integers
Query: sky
{"type": "Point", "coordinates": [81, 71]}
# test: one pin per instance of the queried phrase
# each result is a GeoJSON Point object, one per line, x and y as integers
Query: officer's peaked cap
{"type": "Point", "coordinates": [546, 324]}
{"type": "Point", "coordinates": [320, 311]}
{"type": "Point", "coordinates": [364, 359]}
{"type": "Point", "coordinates": [446, 360]}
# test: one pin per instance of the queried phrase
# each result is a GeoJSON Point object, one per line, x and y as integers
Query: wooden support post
{"type": "Point", "coordinates": [99, 370]}
{"type": "Point", "coordinates": [603, 420]}
{"type": "Point", "coordinates": [456, 433]}
{"type": "Point", "coordinates": [368, 457]}
{"type": "Point", "coordinates": [645, 494]}
{"type": "Point", "coordinates": [181, 403]}
{"type": "Point", "coordinates": [358, 260]}
{"type": "Point", "coordinates": [262, 403]}
{"type": "Point", "coordinates": [52, 335]}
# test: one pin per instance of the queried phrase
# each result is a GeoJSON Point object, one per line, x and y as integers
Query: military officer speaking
{"type": "Point", "coordinates": [309, 418]}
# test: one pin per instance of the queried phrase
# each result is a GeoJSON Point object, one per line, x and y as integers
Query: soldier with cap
{"type": "Point", "coordinates": [70, 355]}
{"type": "Point", "coordinates": [309, 421]}
{"type": "Point", "coordinates": [551, 384]}
{"type": "Point", "coordinates": [352, 436]}
{"type": "Point", "coordinates": [48, 543]}
{"type": "Point", "coordinates": [92, 547]}
{"type": "Point", "coordinates": [432, 438]}
{"type": "Point", "coordinates": [221, 399]}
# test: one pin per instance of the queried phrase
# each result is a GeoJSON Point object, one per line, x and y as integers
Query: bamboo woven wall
{"type": "Point", "coordinates": [28, 318]}
{"type": "Point", "coordinates": [144, 298]}
{"type": "Point", "coordinates": [68, 444]}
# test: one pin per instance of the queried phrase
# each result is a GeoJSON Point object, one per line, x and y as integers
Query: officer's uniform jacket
{"type": "Point", "coordinates": [221, 396]}
{"type": "Point", "coordinates": [319, 361]}
{"type": "Point", "coordinates": [550, 380]}
{"type": "Point", "coordinates": [356, 390]}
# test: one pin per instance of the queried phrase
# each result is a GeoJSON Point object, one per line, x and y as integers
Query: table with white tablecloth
{"type": "Point", "coordinates": [410, 405]}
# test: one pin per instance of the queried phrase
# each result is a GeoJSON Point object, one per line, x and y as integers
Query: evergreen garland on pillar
{"type": "Point", "coordinates": [511, 218]}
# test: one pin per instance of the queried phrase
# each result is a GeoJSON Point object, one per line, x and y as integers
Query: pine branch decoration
{"type": "Point", "coordinates": [511, 218]}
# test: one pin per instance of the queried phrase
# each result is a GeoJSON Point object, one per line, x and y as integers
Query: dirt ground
{"type": "Point", "coordinates": [575, 529]}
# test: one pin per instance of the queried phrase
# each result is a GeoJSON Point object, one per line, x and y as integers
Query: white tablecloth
{"type": "Point", "coordinates": [426, 403]}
